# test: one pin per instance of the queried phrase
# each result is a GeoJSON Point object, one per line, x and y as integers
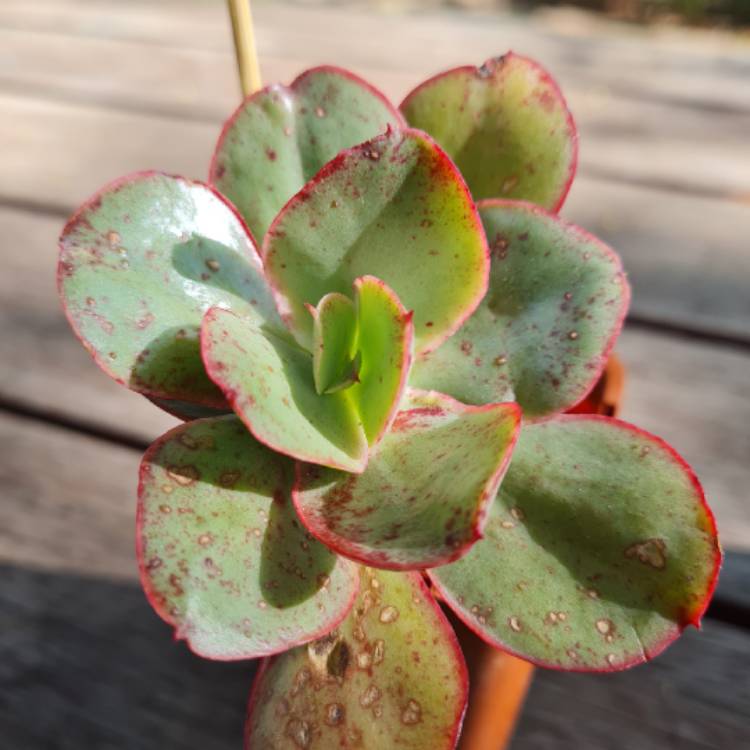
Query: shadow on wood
{"type": "Point", "coordinates": [84, 663]}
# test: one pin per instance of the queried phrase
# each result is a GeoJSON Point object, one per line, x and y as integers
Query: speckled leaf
{"type": "Point", "coordinates": [221, 552]}
{"type": "Point", "coordinates": [599, 551]}
{"type": "Point", "coordinates": [394, 208]}
{"type": "Point", "coordinates": [268, 380]}
{"type": "Point", "coordinates": [140, 263]}
{"type": "Point", "coordinates": [423, 498]}
{"type": "Point", "coordinates": [542, 335]}
{"type": "Point", "coordinates": [334, 342]}
{"type": "Point", "coordinates": [391, 676]}
{"type": "Point", "coordinates": [385, 345]}
{"type": "Point", "coordinates": [505, 124]}
{"type": "Point", "coordinates": [282, 135]}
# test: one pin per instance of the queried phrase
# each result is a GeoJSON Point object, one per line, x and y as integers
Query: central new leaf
{"type": "Point", "coordinates": [325, 406]}
{"type": "Point", "coordinates": [396, 208]}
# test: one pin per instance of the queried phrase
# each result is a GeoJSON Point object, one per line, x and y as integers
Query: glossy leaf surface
{"type": "Point", "coordinates": [281, 136]}
{"type": "Point", "coordinates": [391, 676]}
{"type": "Point", "coordinates": [394, 208]}
{"type": "Point", "coordinates": [268, 380]}
{"type": "Point", "coordinates": [505, 124]}
{"type": "Point", "coordinates": [385, 346]}
{"type": "Point", "coordinates": [223, 557]}
{"type": "Point", "coordinates": [139, 265]}
{"type": "Point", "coordinates": [543, 332]}
{"type": "Point", "coordinates": [599, 551]}
{"type": "Point", "coordinates": [334, 342]}
{"type": "Point", "coordinates": [423, 497]}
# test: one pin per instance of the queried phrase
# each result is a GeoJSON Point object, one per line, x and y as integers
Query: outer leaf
{"type": "Point", "coordinates": [385, 343]}
{"type": "Point", "coordinates": [505, 124]}
{"type": "Point", "coordinates": [334, 341]}
{"type": "Point", "coordinates": [140, 263]}
{"type": "Point", "coordinates": [282, 135]}
{"type": "Point", "coordinates": [222, 555]}
{"type": "Point", "coordinates": [392, 676]}
{"type": "Point", "coordinates": [423, 498]}
{"type": "Point", "coordinates": [395, 208]}
{"type": "Point", "coordinates": [543, 333]}
{"type": "Point", "coordinates": [599, 551]}
{"type": "Point", "coordinates": [268, 381]}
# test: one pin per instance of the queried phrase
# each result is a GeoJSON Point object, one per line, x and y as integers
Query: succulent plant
{"type": "Point", "coordinates": [374, 401]}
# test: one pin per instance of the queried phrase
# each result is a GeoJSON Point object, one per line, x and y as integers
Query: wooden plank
{"type": "Point", "coordinates": [693, 697]}
{"type": "Point", "coordinates": [625, 139]}
{"type": "Point", "coordinates": [697, 397]}
{"type": "Point", "coordinates": [68, 501]}
{"type": "Point", "coordinates": [85, 663]}
{"type": "Point", "coordinates": [686, 255]}
{"type": "Point", "coordinates": [705, 70]}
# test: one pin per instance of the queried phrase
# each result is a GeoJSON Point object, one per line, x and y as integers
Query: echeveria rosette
{"type": "Point", "coordinates": [397, 361]}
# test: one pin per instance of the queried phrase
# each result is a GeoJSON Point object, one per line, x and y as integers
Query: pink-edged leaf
{"type": "Point", "coordinates": [282, 135]}
{"type": "Point", "coordinates": [222, 555]}
{"type": "Point", "coordinates": [542, 335]}
{"type": "Point", "coordinates": [385, 344]}
{"type": "Point", "coordinates": [505, 124]}
{"type": "Point", "coordinates": [140, 263]}
{"type": "Point", "coordinates": [391, 676]}
{"type": "Point", "coordinates": [600, 549]}
{"type": "Point", "coordinates": [395, 208]}
{"type": "Point", "coordinates": [423, 498]}
{"type": "Point", "coordinates": [268, 380]}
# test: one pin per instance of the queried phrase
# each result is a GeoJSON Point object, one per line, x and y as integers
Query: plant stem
{"type": "Point", "coordinates": [244, 46]}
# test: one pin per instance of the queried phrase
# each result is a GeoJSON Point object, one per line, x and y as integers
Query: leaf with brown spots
{"type": "Point", "coordinates": [505, 124]}
{"type": "Point", "coordinates": [282, 135]}
{"type": "Point", "coordinates": [543, 332]}
{"type": "Point", "coordinates": [392, 675]}
{"type": "Point", "coordinates": [423, 497]}
{"type": "Point", "coordinates": [600, 549]}
{"type": "Point", "coordinates": [395, 208]}
{"type": "Point", "coordinates": [140, 263]}
{"type": "Point", "coordinates": [222, 555]}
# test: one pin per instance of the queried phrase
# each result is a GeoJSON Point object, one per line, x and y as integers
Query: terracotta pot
{"type": "Point", "coordinates": [499, 682]}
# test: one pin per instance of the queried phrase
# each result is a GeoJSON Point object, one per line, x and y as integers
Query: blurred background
{"type": "Point", "coordinates": [93, 89]}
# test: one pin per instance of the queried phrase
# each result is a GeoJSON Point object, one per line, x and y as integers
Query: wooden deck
{"type": "Point", "coordinates": [91, 89]}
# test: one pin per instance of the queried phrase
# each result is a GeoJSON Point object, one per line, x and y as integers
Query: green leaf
{"type": "Point", "coordinates": [505, 124]}
{"type": "Point", "coordinates": [395, 208]}
{"type": "Point", "coordinates": [268, 380]}
{"type": "Point", "coordinates": [391, 676]}
{"type": "Point", "coordinates": [599, 551]}
{"type": "Point", "coordinates": [222, 555]}
{"type": "Point", "coordinates": [334, 342]}
{"type": "Point", "coordinates": [385, 344]}
{"type": "Point", "coordinates": [423, 497]}
{"type": "Point", "coordinates": [282, 135]}
{"type": "Point", "coordinates": [542, 335]}
{"type": "Point", "coordinates": [140, 263]}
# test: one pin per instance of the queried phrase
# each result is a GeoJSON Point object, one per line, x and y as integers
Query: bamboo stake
{"type": "Point", "coordinates": [244, 46]}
